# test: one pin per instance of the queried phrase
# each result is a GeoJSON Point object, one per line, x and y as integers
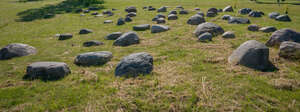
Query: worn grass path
{"type": "Point", "coordinates": [188, 75]}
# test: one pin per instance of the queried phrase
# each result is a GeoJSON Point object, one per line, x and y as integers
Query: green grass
{"type": "Point", "coordinates": [187, 75]}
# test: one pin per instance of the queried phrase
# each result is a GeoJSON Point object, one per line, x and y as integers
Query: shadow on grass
{"type": "Point", "coordinates": [67, 6]}
{"type": "Point", "coordinates": [260, 2]}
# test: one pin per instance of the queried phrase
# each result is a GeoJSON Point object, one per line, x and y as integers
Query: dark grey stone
{"type": "Point", "coordinates": [215, 10]}
{"type": "Point", "coordinates": [47, 70]}
{"type": "Point", "coordinates": [16, 50]}
{"type": "Point", "coordinates": [127, 39]}
{"type": "Point", "coordinates": [253, 27]}
{"type": "Point", "coordinates": [113, 36]}
{"type": "Point", "coordinates": [131, 14]}
{"type": "Point", "coordinates": [173, 12]}
{"type": "Point", "coordinates": [93, 58]}
{"type": "Point", "coordinates": [228, 34]}
{"type": "Point", "coordinates": [205, 37]}
{"type": "Point", "coordinates": [238, 20]}
{"type": "Point", "coordinates": [245, 11]}
{"type": "Point", "coordinates": [159, 28]}
{"type": "Point", "coordinates": [289, 50]}
{"type": "Point", "coordinates": [282, 35]}
{"type": "Point", "coordinates": [255, 14]}
{"type": "Point", "coordinates": [160, 21]}
{"type": "Point", "coordinates": [131, 9]}
{"type": "Point", "coordinates": [268, 29]}
{"type": "Point", "coordinates": [142, 27]}
{"type": "Point", "coordinates": [121, 21]}
{"type": "Point", "coordinates": [92, 43]}
{"type": "Point", "coordinates": [226, 17]}
{"type": "Point", "coordinates": [65, 36]}
{"type": "Point", "coordinates": [285, 18]}
{"type": "Point", "coordinates": [127, 19]}
{"type": "Point", "coordinates": [172, 17]}
{"type": "Point", "coordinates": [196, 20]}
{"type": "Point", "coordinates": [162, 9]}
{"type": "Point", "coordinates": [85, 31]}
{"type": "Point", "coordinates": [228, 9]}
{"type": "Point", "coordinates": [212, 28]}
{"type": "Point", "coordinates": [183, 12]}
{"type": "Point", "coordinates": [273, 15]}
{"type": "Point", "coordinates": [211, 14]}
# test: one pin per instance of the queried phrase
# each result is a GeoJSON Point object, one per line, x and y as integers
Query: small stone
{"type": "Point", "coordinates": [172, 17]}
{"type": "Point", "coordinates": [121, 21]}
{"type": "Point", "coordinates": [215, 10]}
{"type": "Point", "coordinates": [92, 43]}
{"type": "Point", "coordinates": [211, 14]}
{"type": "Point", "coordinates": [228, 9]}
{"type": "Point", "coordinates": [255, 14]}
{"type": "Point", "coordinates": [273, 15]}
{"type": "Point", "coordinates": [196, 20]}
{"type": "Point", "coordinates": [127, 19]}
{"type": "Point", "coordinates": [200, 13]}
{"type": "Point", "coordinates": [253, 27]}
{"type": "Point", "coordinates": [108, 21]}
{"type": "Point", "coordinates": [212, 28]}
{"type": "Point", "coordinates": [228, 34]}
{"type": "Point", "coordinates": [226, 17]}
{"type": "Point", "coordinates": [162, 9]}
{"type": "Point", "coordinates": [238, 20]}
{"type": "Point", "coordinates": [183, 12]}
{"type": "Point", "coordinates": [85, 31]}
{"type": "Point", "coordinates": [172, 12]}
{"type": "Point", "coordinates": [160, 21]}
{"type": "Point", "coordinates": [285, 18]}
{"type": "Point", "coordinates": [113, 36]}
{"type": "Point", "coordinates": [245, 11]}
{"type": "Point", "coordinates": [131, 14]}
{"type": "Point", "coordinates": [131, 9]}
{"type": "Point", "coordinates": [65, 36]}
{"type": "Point", "coordinates": [268, 29]}
{"type": "Point", "coordinates": [197, 9]}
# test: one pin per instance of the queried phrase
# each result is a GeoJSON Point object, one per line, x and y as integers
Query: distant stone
{"type": "Point", "coordinates": [268, 29]}
{"type": "Point", "coordinates": [142, 27]}
{"type": "Point", "coordinates": [255, 14]}
{"type": "Point", "coordinates": [285, 18]}
{"type": "Point", "coordinates": [108, 21]}
{"type": "Point", "coordinates": [252, 54]}
{"type": "Point", "coordinates": [228, 34]}
{"type": "Point", "coordinates": [127, 19]}
{"type": "Point", "coordinates": [215, 10]}
{"type": "Point", "coordinates": [273, 15]}
{"type": "Point", "coordinates": [47, 70]}
{"type": "Point", "coordinates": [162, 9]}
{"type": "Point", "coordinates": [85, 31]}
{"type": "Point", "coordinates": [65, 36]}
{"type": "Point", "coordinates": [200, 13]}
{"type": "Point", "coordinates": [159, 28]}
{"type": "Point", "coordinates": [211, 14]}
{"type": "Point", "coordinates": [131, 9]}
{"type": "Point", "coordinates": [183, 12]}
{"type": "Point", "coordinates": [16, 50]}
{"type": "Point", "coordinates": [196, 20]}
{"type": "Point", "coordinates": [245, 11]}
{"type": "Point", "coordinates": [127, 39]}
{"type": "Point", "coordinates": [93, 58]}
{"type": "Point", "coordinates": [121, 21]}
{"type": "Point", "coordinates": [113, 36]}
{"type": "Point", "coordinates": [160, 21]}
{"type": "Point", "coordinates": [212, 28]}
{"type": "Point", "coordinates": [226, 17]}
{"type": "Point", "coordinates": [173, 12]}
{"type": "Point", "coordinates": [92, 43]}
{"type": "Point", "coordinates": [238, 20]}
{"type": "Point", "coordinates": [228, 9]}
{"type": "Point", "coordinates": [131, 14]}
{"type": "Point", "coordinates": [197, 9]}
{"type": "Point", "coordinates": [289, 50]}
{"type": "Point", "coordinates": [86, 11]}
{"type": "Point", "coordinates": [158, 16]}
{"type": "Point", "coordinates": [253, 27]}
{"type": "Point", "coordinates": [172, 17]}
{"type": "Point", "coordinates": [205, 37]}
{"type": "Point", "coordinates": [283, 35]}
{"type": "Point", "coordinates": [134, 65]}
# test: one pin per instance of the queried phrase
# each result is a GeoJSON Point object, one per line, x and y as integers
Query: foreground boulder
{"type": "Point", "coordinates": [212, 28]}
{"type": "Point", "coordinates": [196, 20]}
{"type": "Point", "coordinates": [134, 65]}
{"type": "Point", "coordinates": [93, 58]}
{"type": "Point", "coordinates": [127, 39]}
{"type": "Point", "coordinates": [282, 35]}
{"type": "Point", "coordinates": [159, 28]}
{"type": "Point", "coordinates": [47, 70]}
{"type": "Point", "coordinates": [16, 50]}
{"type": "Point", "coordinates": [252, 54]}
{"type": "Point", "coordinates": [268, 29]}
{"type": "Point", "coordinates": [238, 20]}
{"type": "Point", "coordinates": [142, 27]}
{"type": "Point", "coordinates": [289, 50]}
{"type": "Point", "coordinates": [113, 36]}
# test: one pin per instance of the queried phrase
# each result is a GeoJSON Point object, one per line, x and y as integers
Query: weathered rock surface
{"type": "Point", "coordinates": [212, 28]}
{"type": "Point", "coordinates": [205, 37]}
{"type": "Point", "coordinates": [127, 39]}
{"type": "Point", "coordinates": [289, 50]}
{"type": "Point", "coordinates": [196, 20]}
{"type": "Point", "coordinates": [93, 58]}
{"type": "Point", "coordinates": [268, 29]}
{"type": "Point", "coordinates": [92, 43]}
{"type": "Point", "coordinates": [238, 20]}
{"type": "Point", "coordinates": [282, 35]}
{"type": "Point", "coordinates": [47, 70]}
{"type": "Point", "coordinates": [159, 28]}
{"type": "Point", "coordinates": [16, 50]}
{"type": "Point", "coordinates": [113, 36]}
{"type": "Point", "coordinates": [142, 27]}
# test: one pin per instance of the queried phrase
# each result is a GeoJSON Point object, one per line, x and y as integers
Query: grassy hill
{"type": "Point", "coordinates": [187, 76]}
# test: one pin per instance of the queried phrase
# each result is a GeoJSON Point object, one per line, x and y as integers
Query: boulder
{"type": "Point", "coordinates": [212, 28]}
{"type": "Point", "coordinates": [127, 19]}
{"type": "Point", "coordinates": [285, 18]}
{"type": "Point", "coordinates": [142, 27]}
{"type": "Point", "coordinates": [160, 21]}
{"type": "Point", "coordinates": [92, 43]}
{"type": "Point", "coordinates": [228, 34]}
{"type": "Point", "coordinates": [127, 39]}
{"type": "Point", "coordinates": [211, 14]}
{"type": "Point", "coordinates": [47, 70]}
{"type": "Point", "coordinates": [113, 36]}
{"type": "Point", "coordinates": [273, 15]}
{"type": "Point", "coordinates": [183, 12]}
{"type": "Point", "coordinates": [238, 20]}
{"type": "Point", "coordinates": [86, 11]}
{"type": "Point", "coordinates": [179, 7]}
{"type": "Point", "coordinates": [85, 31]}
{"type": "Point", "coordinates": [131, 9]}
{"type": "Point", "coordinates": [151, 9]}
{"type": "Point", "coordinates": [268, 29]}
{"type": "Point", "coordinates": [215, 10]}
{"type": "Point", "coordinates": [205, 37]}
{"type": "Point", "coordinates": [131, 14]}
{"type": "Point", "coordinates": [196, 20]}
{"type": "Point", "coordinates": [121, 21]}
{"type": "Point", "coordinates": [172, 17]}
{"type": "Point", "coordinates": [134, 65]}
{"type": "Point", "coordinates": [255, 14]}
{"type": "Point", "coordinates": [95, 13]}
{"type": "Point", "coordinates": [245, 11]}
{"type": "Point", "coordinates": [228, 9]}
{"type": "Point", "coordinates": [162, 9]}
{"type": "Point", "coordinates": [172, 12]}
{"type": "Point", "coordinates": [252, 54]}
{"type": "Point", "coordinates": [16, 50]}
{"type": "Point", "coordinates": [65, 36]}
{"type": "Point", "coordinates": [253, 27]}
{"type": "Point", "coordinates": [93, 58]}
{"type": "Point", "coordinates": [200, 13]}
{"type": "Point", "coordinates": [289, 50]}
{"type": "Point", "coordinates": [159, 28]}
{"type": "Point", "coordinates": [282, 35]}
{"type": "Point", "coordinates": [226, 17]}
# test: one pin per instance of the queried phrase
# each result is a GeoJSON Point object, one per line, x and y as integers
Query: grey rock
{"type": "Point", "coordinates": [252, 54]}
{"type": "Point", "coordinates": [131, 14]}
{"type": "Point", "coordinates": [205, 37]}
{"type": "Point", "coordinates": [183, 12]}
{"type": "Point", "coordinates": [255, 14]}
{"type": "Point", "coordinates": [228, 34]}
{"type": "Point", "coordinates": [131, 9]}
{"type": "Point", "coordinates": [92, 43]}
{"type": "Point", "coordinates": [127, 39]}
{"type": "Point", "coordinates": [121, 21]}
{"type": "Point", "coordinates": [108, 21]}
{"type": "Point", "coordinates": [268, 29]}
{"type": "Point", "coordinates": [134, 65]}
{"type": "Point", "coordinates": [215, 10]}
{"type": "Point", "coordinates": [282, 35]}
{"type": "Point", "coordinates": [113, 36]}
{"type": "Point", "coordinates": [289, 50]}
{"type": "Point", "coordinates": [47, 70]}
{"type": "Point", "coordinates": [151, 9]}
{"type": "Point", "coordinates": [228, 9]}
{"type": "Point", "coordinates": [127, 19]}
{"type": "Point", "coordinates": [200, 13]}
{"type": "Point", "coordinates": [211, 14]}
{"type": "Point", "coordinates": [273, 15]}
{"type": "Point", "coordinates": [160, 21]}
{"type": "Point", "coordinates": [173, 12]}
{"type": "Point", "coordinates": [238, 20]}
{"type": "Point", "coordinates": [93, 58]}
{"type": "Point", "coordinates": [16, 50]}
{"type": "Point", "coordinates": [85, 31]}
{"type": "Point", "coordinates": [245, 11]}
{"type": "Point", "coordinates": [172, 17]}
{"type": "Point", "coordinates": [65, 36]}
{"type": "Point", "coordinates": [142, 27]}
{"type": "Point", "coordinates": [94, 8]}
{"type": "Point", "coordinates": [226, 17]}
{"type": "Point", "coordinates": [196, 20]}
{"type": "Point", "coordinates": [158, 16]}
{"type": "Point", "coordinates": [162, 9]}
{"type": "Point", "coordinates": [212, 28]}
{"type": "Point", "coordinates": [253, 27]}
{"type": "Point", "coordinates": [285, 18]}
{"type": "Point", "coordinates": [159, 28]}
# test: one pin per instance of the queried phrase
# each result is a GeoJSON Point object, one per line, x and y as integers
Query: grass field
{"type": "Point", "coordinates": [187, 76]}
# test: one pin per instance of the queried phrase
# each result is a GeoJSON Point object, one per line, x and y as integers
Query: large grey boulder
{"type": "Point", "coordinates": [212, 28]}
{"type": "Point", "coordinates": [285, 18]}
{"type": "Point", "coordinates": [159, 28]}
{"type": "Point", "coordinates": [238, 20]}
{"type": "Point", "coordinates": [196, 20]}
{"type": "Point", "coordinates": [252, 54]}
{"type": "Point", "coordinates": [268, 29]}
{"type": "Point", "coordinates": [142, 27]}
{"type": "Point", "coordinates": [273, 15]}
{"type": "Point", "coordinates": [93, 58]}
{"type": "Point", "coordinates": [113, 36]}
{"type": "Point", "coordinates": [162, 9]}
{"type": "Point", "coordinates": [134, 65]}
{"type": "Point", "coordinates": [16, 50]}
{"type": "Point", "coordinates": [127, 39]}
{"type": "Point", "coordinates": [47, 70]}
{"type": "Point", "coordinates": [228, 9]}
{"type": "Point", "coordinates": [245, 11]}
{"type": "Point", "coordinates": [85, 31]}
{"type": "Point", "coordinates": [289, 50]}
{"type": "Point", "coordinates": [205, 37]}
{"type": "Point", "coordinates": [131, 9]}
{"type": "Point", "coordinates": [282, 35]}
